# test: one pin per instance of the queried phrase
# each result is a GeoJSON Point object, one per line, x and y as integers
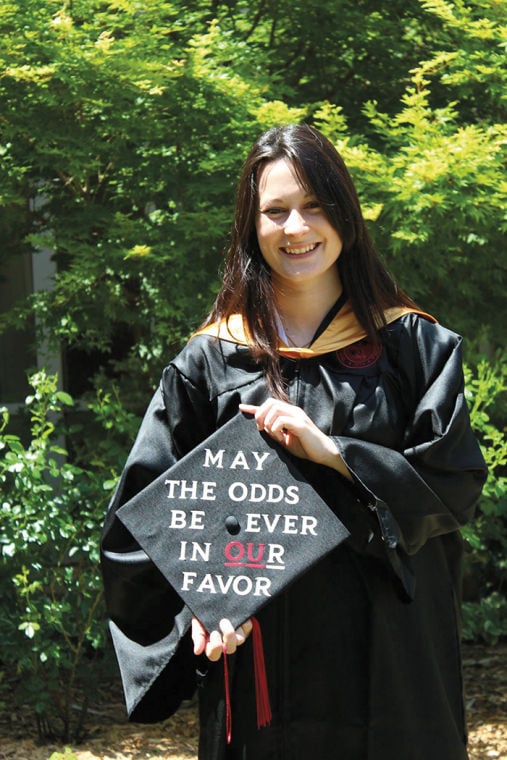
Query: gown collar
{"type": "Point", "coordinates": [342, 330]}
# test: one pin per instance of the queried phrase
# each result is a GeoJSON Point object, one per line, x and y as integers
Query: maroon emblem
{"type": "Point", "coordinates": [359, 355]}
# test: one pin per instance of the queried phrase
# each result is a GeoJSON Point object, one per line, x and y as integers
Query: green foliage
{"type": "Point", "coordinates": [485, 609]}
{"type": "Point", "coordinates": [135, 122]}
{"type": "Point", "coordinates": [486, 619]}
{"type": "Point", "coordinates": [430, 170]}
{"type": "Point", "coordinates": [345, 52]}
{"type": "Point", "coordinates": [51, 620]}
{"type": "Point", "coordinates": [67, 754]}
{"type": "Point", "coordinates": [137, 128]}
{"type": "Point", "coordinates": [436, 196]}
{"type": "Point", "coordinates": [470, 62]}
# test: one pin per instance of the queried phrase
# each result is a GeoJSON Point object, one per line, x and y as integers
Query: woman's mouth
{"type": "Point", "coordinates": [299, 250]}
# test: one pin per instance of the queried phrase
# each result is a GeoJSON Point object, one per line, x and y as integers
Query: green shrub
{"type": "Point", "coordinates": [485, 607]}
{"type": "Point", "coordinates": [51, 622]}
{"type": "Point", "coordinates": [485, 619]}
{"type": "Point", "coordinates": [67, 754]}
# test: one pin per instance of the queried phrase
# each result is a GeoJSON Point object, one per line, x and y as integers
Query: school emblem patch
{"type": "Point", "coordinates": [359, 355]}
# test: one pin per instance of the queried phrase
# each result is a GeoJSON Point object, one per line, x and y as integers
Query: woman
{"type": "Point", "coordinates": [310, 335]}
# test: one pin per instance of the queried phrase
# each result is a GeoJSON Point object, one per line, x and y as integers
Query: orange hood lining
{"type": "Point", "coordinates": [343, 330]}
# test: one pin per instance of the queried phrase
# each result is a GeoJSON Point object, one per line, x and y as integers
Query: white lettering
{"type": "Point", "coordinates": [207, 584]}
{"type": "Point", "coordinates": [196, 522]}
{"type": "Point", "coordinates": [241, 585]}
{"type": "Point", "coordinates": [191, 490]}
{"type": "Point", "coordinates": [292, 495]}
{"type": "Point", "coordinates": [247, 588]}
{"type": "Point", "coordinates": [275, 555]}
{"type": "Point", "coordinates": [224, 587]}
{"type": "Point", "coordinates": [290, 524]}
{"type": "Point", "coordinates": [172, 485]}
{"type": "Point", "coordinates": [208, 491]}
{"type": "Point", "coordinates": [233, 491]}
{"type": "Point", "coordinates": [257, 492]}
{"type": "Point", "coordinates": [216, 459]}
{"type": "Point", "coordinates": [252, 523]}
{"type": "Point", "coordinates": [188, 579]}
{"type": "Point", "coordinates": [178, 518]}
{"type": "Point", "coordinates": [261, 458]}
{"type": "Point", "coordinates": [262, 586]}
{"type": "Point", "coordinates": [200, 553]}
{"type": "Point", "coordinates": [213, 459]}
{"type": "Point", "coordinates": [272, 493]}
{"type": "Point", "coordinates": [275, 493]}
{"type": "Point", "coordinates": [308, 525]}
{"type": "Point", "coordinates": [239, 461]}
{"type": "Point", "coordinates": [271, 524]}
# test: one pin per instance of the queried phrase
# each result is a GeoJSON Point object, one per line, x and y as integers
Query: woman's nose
{"type": "Point", "coordinates": [295, 223]}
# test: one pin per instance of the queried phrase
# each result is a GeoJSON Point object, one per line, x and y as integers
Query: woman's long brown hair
{"type": "Point", "coordinates": [247, 286]}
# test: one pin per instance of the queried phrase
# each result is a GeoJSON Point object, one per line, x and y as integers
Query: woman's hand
{"type": "Point", "coordinates": [212, 643]}
{"type": "Point", "coordinates": [290, 425]}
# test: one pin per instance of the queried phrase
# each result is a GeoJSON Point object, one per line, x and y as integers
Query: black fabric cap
{"type": "Point", "coordinates": [232, 523]}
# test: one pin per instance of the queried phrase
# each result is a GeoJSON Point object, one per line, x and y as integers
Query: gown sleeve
{"type": "Point", "coordinates": [148, 621]}
{"type": "Point", "coordinates": [431, 486]}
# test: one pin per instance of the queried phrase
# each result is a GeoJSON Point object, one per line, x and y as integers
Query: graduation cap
{"type": "Point", "coordinates": [232, 523]}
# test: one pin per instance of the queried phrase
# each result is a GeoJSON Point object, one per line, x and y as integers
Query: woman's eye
{"type": "Point", "coordinates": [277, 211]}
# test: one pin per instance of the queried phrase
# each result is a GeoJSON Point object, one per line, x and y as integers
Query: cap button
{"type": "Point", "coordinates": [232, 525]}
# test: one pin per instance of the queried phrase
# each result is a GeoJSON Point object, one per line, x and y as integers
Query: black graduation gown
{"type": "Point", "coordinates": [362, 652]}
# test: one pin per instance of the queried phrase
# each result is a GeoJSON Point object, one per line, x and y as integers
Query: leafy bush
{"type": "Point", "coordinates": [485, 619]}
{"type": "Point", "coordinates": [485, 607]}
{"type": "Point", "coordinates": [51, 621]}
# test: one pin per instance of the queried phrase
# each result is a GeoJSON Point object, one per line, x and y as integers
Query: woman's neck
{"type": "Point", "coordinates": [302, 310]}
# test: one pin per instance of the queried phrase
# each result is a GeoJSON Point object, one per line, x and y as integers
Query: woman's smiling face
{"type": "Point", "coordinates": [296, 239]}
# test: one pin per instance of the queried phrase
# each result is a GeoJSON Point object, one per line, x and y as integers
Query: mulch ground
{"type": "Point", "coordinates": [109, 737]}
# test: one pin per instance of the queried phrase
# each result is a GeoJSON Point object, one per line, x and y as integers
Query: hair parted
{"type": "Point", "coordinates": [247, 287]}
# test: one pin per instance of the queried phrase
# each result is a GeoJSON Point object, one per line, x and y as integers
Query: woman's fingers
{"type": "Point", "coordinates": [257, 411]}
{"type": "Point", "coordinates": [290, 425]}
{"type": "Point", "coordinates": [273, 415]}
{"type": "Point", "coordinates": [214, 646]}
{"type": "Point", "coordinates": [227, 638]}
{"type": "Point", "coordinates": [244, 631]}
{"type": "Point", "coordinates": [285, 422]}
{"type": "Point", "coordinates": [199, 636]}
{"type": "Point", "coordinates": [248, 408]}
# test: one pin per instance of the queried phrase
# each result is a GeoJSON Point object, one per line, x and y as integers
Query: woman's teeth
{"type": "Point", "coordinates": [297, 251]}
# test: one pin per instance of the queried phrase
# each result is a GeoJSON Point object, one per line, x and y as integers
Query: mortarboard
{"type": "Point", "coordinates": [232, 523]}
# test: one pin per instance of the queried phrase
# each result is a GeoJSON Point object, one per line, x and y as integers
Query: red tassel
{"type": "Point", "coordinates": [261, 684]}
{"type": "Point", "coordinates": [261, 681]}
{"type": "Point", "coordinates": [228, 713]}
